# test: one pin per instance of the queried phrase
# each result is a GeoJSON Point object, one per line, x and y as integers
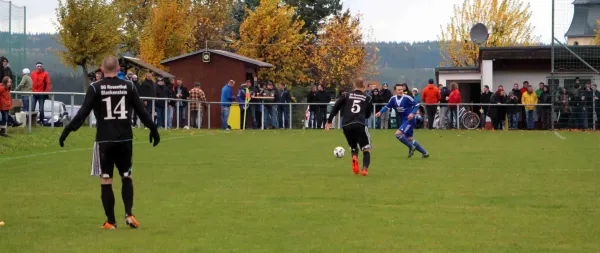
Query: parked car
{"type": "Point", "coordinates": [73, 111]}
{"type": "Point", "coordinates": [57, 113]}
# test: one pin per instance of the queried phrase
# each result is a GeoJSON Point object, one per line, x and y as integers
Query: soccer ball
{"type": "Point", "coordinates": [339, 152]}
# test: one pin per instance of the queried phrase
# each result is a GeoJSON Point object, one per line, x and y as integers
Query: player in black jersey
{"type": "Point", "coordinates": [113, 101]}
{"type": "Point", "coordinates": [357, 107]}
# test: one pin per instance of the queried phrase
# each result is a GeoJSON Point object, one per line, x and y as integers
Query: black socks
{"type": "Point", "coordinates": [366, 159]}
{"type": "Point", "coordinates": [127, 194]}
{"type": "Point", "coordinates": [108, 201]}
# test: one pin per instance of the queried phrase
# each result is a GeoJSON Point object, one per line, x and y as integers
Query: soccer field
{"type": "Point", "coordinates": [284, 191]}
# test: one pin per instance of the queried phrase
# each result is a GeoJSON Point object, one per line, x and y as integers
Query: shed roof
{"type": "Point", "coordinates": [139, 63]}
{"type": "Point", "coordinates": [231, 55]}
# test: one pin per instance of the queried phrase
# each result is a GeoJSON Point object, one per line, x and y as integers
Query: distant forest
{"type": "Point", "coordinates": [413, 63]}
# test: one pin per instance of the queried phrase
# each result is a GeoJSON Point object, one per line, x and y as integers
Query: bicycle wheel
{"type": "Point", "coordinates": [470, 120]}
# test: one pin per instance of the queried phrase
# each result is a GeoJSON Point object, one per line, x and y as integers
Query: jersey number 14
{"type": "Point", "coordinates": [120, 109]}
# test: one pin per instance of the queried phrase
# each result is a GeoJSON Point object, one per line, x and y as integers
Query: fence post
{"type": "Point", "coordinates": [290, 116]}
{"type": "Point", "coordinates": [90, 119]}
{"type": "Point", "coordinates": [188, 114]}
{"type": "Point", "coordinates": [457, 116]}
{"type": "Point", "coordinates": [166, 113]}
{"type": "Point", "coordinates": [153, 110]}
{"type": "Point", "coordinates": [339, 121]}
{"type": "Point", "coordinates": [209, 115]}
{"type": "Point", "coordinates": [199, 117]}
{"type": "Point", "coordinates": [72, 105]}
{"type": "Point", "coordinates": [177, 108]}
{"type": "Point", "coordinates": [552, 116]}
{"type": "Point", "coordinates": [29, 113]}
{"type": "Point", "coordinates": [373, 118]}
{"type": "Point", "coordinates": [52, 111]}
{"type": "Point", "coordinates": [262, 116]}
{"type": "Point", "coordinates": [593, 111]}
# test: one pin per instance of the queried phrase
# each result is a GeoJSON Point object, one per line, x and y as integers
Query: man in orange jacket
{"type": "Point", "coordinates": [41, 83]}
{"type": "Point", "coordinates": [431, 97]}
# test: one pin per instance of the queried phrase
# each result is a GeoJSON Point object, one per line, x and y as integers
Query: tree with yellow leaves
{"type": "Point", "coordinates": [167, 31]}
{"type": "Point", "coordinates": [597, 38]}
{"type": "Point", "coordinates": [508, 22]}
{"type": "Point", "coordinates": [340, 53]}
{"type": "Point", "coordinates": [212, 18]}
{"type": "Point", "coordinates": [134, 14]}
{"type": "Point", "coordinates": [272, 34]}
{"type": "Point", "coordinates": [86, 36]}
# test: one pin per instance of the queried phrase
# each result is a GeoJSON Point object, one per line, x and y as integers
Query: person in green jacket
{"type": "Point", "coordinates": [25, 85]}
{"type": "Point", "coordinates": [539, 91]}
{"type": "Point", "coordinates": [538, 110]}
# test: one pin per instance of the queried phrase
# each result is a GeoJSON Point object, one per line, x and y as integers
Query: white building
{"type": "Point", "coordinates": [508, 65]}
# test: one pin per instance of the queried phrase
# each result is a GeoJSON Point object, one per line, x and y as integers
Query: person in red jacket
{"type": "Point", "coordinates": [41, 83]}
{"type": "Point", "coordinates": [453, 101]}
{"type": "Point", "coordinates": [525, 85]}
{"type": "Point", "coordinates": [431, 97]}
{"type": "Point", "coordinates": [5, 104]}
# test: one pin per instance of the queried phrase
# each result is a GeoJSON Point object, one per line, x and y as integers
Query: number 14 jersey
{"type": "Point", "coordinates": [357, 107]}
{"type": "Point", "coordinates": [112, 100]}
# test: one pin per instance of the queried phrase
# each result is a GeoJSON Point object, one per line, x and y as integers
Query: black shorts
{"type": "Point", "coordinates": [107, 155]}
{"type": "Point", "coordinates": [357, 135]}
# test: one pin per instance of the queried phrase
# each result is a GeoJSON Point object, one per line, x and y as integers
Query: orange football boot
{"type": "Point", "coordinates": [131, 221]}
{"type": "Point", "coordinates": [355, 167]}
{"type": "Point", "coordinates": [365, 172]}
{"type": "Point", "coordinates": [109, 226]}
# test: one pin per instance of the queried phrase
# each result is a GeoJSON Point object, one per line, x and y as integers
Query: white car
{"type": "Point", "coordinates": [76, 109]}
{"type": "Point", "coordinates": [57, 113]}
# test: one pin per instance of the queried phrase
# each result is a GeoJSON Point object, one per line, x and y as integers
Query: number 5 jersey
{"type": "Point", "coordinates": [357, 107]}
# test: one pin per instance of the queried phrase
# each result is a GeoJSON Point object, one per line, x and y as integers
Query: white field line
{"type": "Point", "coordinates": [83, 149]}
{"type": "Point", "coordinates": [559, 136]}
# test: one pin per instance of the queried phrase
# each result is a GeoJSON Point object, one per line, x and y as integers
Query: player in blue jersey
{"type": "Point", "coordinates": [406, 107]}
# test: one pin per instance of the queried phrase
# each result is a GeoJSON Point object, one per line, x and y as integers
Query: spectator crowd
{"type": "Point", "coordinates": [268, 105]}
{"type": "Point", "coordinates": [36, 81]}
{"type": "Point", "coordinates": [263, 105]}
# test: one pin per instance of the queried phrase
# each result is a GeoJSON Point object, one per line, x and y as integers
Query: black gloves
{"type": "Point", "coordinates": [63, 137]}
{"type": "Point", "coordinates": [154, 136]}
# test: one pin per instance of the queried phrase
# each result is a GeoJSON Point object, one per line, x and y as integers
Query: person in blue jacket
{"type": "Point", "coordinates": [226, 98]}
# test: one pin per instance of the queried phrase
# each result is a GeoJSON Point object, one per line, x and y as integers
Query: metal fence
{"type": "Point", "coordinates": [300, 116]}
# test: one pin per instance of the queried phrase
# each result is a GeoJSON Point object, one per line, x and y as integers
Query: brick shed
{"type": "Point", "coordinates": [213, 69]}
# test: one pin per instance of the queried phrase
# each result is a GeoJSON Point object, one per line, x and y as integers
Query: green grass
{"type": "Point", "coordinates": [283, 191]}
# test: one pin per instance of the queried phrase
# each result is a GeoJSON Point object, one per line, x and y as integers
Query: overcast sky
{"type": "Point", "coordinates": [391, 20]}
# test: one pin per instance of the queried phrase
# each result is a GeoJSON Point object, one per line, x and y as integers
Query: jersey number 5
{"type": "Point", "coordinates": [355, 106]}
{"type": "Point", "coordinates": [120, 109]}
